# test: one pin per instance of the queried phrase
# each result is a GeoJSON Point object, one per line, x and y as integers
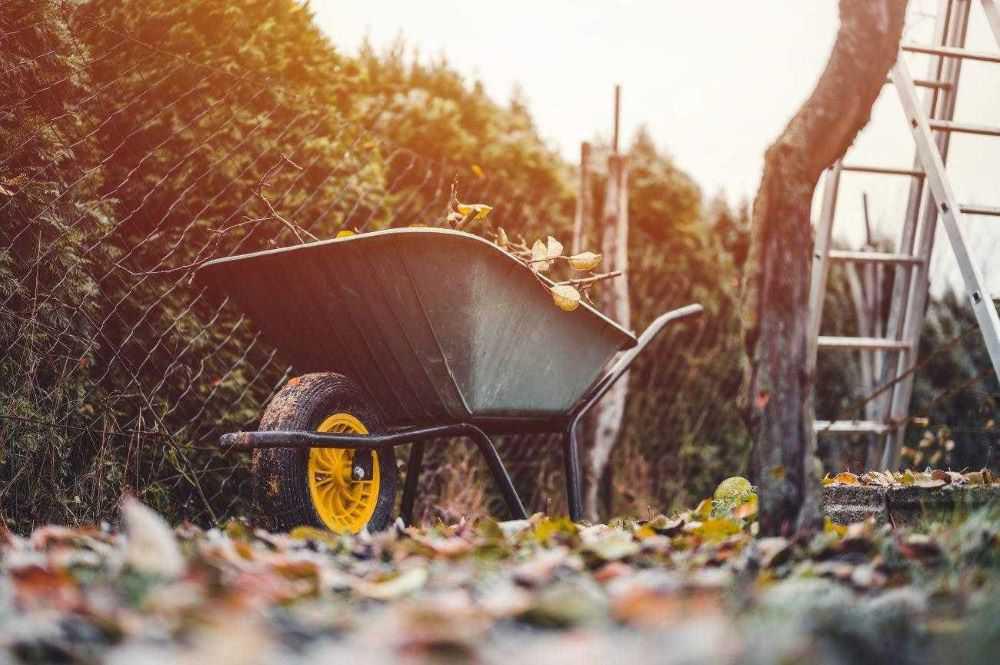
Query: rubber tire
{"type": "Point", "coordinates": [281, 474]}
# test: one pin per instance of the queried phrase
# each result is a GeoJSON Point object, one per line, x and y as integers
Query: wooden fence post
{"type": "Point", "coordinates": [583, 221]}
{"type": "Point", "coordinates": [609, 412]}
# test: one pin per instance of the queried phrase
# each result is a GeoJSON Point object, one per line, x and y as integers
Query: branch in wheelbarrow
{"type": "Point", "coordinates": [593, 279]}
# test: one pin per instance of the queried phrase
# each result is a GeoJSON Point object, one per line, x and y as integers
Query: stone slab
{"type": "Point", "coordinates": [844, 504]}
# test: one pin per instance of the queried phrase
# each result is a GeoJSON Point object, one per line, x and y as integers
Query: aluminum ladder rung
{"type": "Point", "coordinates": [987, 211]}
{"type": "Point", "coordinates": [964, 128]}
{"type": "Point", "coordinates": [851, 427]}
{"type": "Point", "coordinates": [863, 343]}
{"type": "Point", "coordinates": [937, 85]}
{"type": "Point", "coordinates": [874, 257]}
{"type": "Point", "coordinates": [952, 52]}
{"type": "Point", "coordinates": [886, 170]}
{"type": "Point", "coordinates": [927, 83]}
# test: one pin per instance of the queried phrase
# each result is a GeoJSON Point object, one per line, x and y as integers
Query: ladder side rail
{"type": "Point", "coordinates": [821, 262]}
{"type": "Point", "coordinates": [948, 207]}
{"type": "Point", "coordinates": [950, 70]}
{"type": "Point", "coordinates": [903, 274]}
{"type": "Point", "coordinates": [993, 18]}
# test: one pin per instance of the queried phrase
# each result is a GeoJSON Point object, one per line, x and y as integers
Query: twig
{"type": "Point", "coordinates": [259, 192]}
{"type": "Point", "coordinates": [587, 281]}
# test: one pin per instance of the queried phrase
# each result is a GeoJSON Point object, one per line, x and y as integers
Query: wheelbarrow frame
{"type": "Point", "coordinates": [479, 431]}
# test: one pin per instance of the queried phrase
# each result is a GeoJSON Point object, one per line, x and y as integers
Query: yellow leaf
{"type": "Point", "coordinates": [566, 297]}
{"type": "Point", "coordinates": [644, 532]}
{"type": "Point", "coordinates": [346, 233]}
{"type": "Point", "coordinates": [538, 256]}
{"type": "Point", "coordinates": [585, 261]}
{"type": "Point", "coordinates": [834, 528]}
{"type": "Point", "coordinates": [312, 533]}
{"type": "Point", "coordinates": [478, 170]}
{"type": "Point", "coordinates": [502, 240]}
{"type": "Point", "coordinates": [718, 529]}
{"type": "Point", "coordinates": [479, 210]}
{"type": "Point", "coordinates": [553, 248]}
{"type": "Point", "coordinates": [403, 584]}
{"type": "Point", "coordinates": [704, 509]}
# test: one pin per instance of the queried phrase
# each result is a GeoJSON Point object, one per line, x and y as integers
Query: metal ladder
{"type": "Point", "coordinates": [930, 198]}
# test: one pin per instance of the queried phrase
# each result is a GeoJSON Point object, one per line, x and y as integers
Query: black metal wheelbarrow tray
{"type": "Point", "coordinates": [403, 337]}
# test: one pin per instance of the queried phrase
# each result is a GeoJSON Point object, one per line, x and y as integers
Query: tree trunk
{"type": "Point", "coordinates": [608, 413]}
{"type": "Point", "coordinates": [778, 399]}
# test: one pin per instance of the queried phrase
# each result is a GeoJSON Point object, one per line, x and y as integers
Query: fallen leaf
{"type": "Point", "coordinates": [152, 547]}
{"type": "Point", "coordinates": [540, 569]}
{"type": "Point", "coordinates": [405, 583]}
{"type": "Point", "coordinates": [938, 474]}
{"type": "Point", "coordinates": [614, 546]}
{"type": "Point", "coordinates": [772, 551]}
{"type": "Point", "coordinates": [719, 528]}
{"type": "Point", "coordinates": [663, 525]}
{"type": "Point", "coordinates": [846, 478]}
{"type": "Point", "coordinates": [829, 526]}
{"type": "Point", "coordinates": [314, 534]}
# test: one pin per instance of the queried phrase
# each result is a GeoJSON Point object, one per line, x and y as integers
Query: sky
{"type": "Point", "coordinates": [715, 83]}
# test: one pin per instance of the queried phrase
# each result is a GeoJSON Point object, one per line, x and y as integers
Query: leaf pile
{"type": "Point", "coordinates": [929, 479]}
{"type": "Point", "coordinates": [694, 587]}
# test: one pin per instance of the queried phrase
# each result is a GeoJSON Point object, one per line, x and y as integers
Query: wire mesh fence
{"type": "Point", "coordinates": [124, 167]}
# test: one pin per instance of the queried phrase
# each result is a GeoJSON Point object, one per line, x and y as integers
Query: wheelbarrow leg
{"type": "Point", "coordinates": [571, 460]}
{"type": "Point", "coordinates": [498, 471]}
{"type": "Point", "coordinates": [413, 468]}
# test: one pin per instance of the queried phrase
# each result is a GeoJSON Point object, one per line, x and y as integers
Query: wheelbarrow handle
{"type": "Point", "coordinates": [571, 453]}
{"type": "Point", "coordinates": [626, 358]}
{"type": "Point", "coordinates": [654, 329]}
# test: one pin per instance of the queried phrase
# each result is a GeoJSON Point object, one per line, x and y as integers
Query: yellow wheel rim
{"type": "Point", "coordinates": [345, 505]}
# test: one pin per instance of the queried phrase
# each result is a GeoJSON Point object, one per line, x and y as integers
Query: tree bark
{"type": "Point", "coordinates": [778, 398]}
{"type": "Point", "coordinates": [609, 412]}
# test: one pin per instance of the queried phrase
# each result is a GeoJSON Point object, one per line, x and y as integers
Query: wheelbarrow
{"type": "Point", "coordinates": [406, 336]}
